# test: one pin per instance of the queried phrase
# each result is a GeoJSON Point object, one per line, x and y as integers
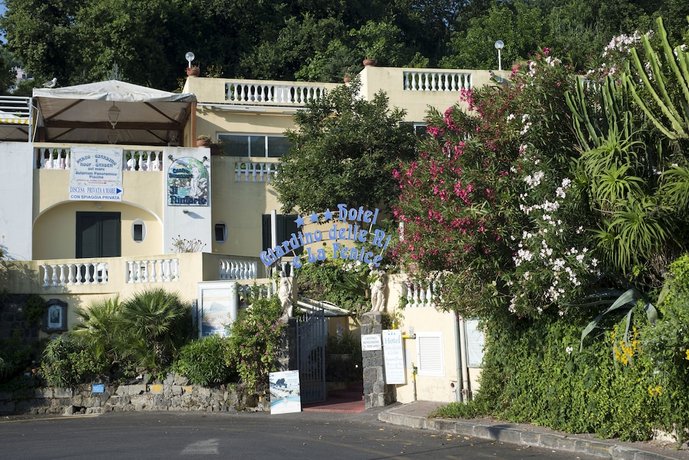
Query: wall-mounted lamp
{"type": "Point", "coordinates": [185, 211]}
{"type": "Point", "coordinates": [169, 157]}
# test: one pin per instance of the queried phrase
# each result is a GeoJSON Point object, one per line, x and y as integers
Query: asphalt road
{"type": "Point", "coordinates": [303, 435]}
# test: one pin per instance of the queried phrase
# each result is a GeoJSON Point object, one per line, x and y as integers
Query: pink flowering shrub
{"type": "Point", "coordinates": [490, 203]}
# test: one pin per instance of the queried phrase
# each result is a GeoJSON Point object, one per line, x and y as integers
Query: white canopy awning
{"type": "Point", "coordinates": [80, 114]}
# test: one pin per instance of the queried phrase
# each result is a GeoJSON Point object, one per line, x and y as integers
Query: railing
{"type": "Point", "coordinates": [420, 295]}
{"type": "Point", "coordinates": [436, 80]}
{"type": "Point", "coordinates": [159, 270]}
{"type": "Point", "coordinates": [255, 172]}
{"type": "Point", "coordinates": [15, 110]}
{"type": "Point", "coordinates": [72, 274]}
{"type": "Point", "coordinates": [60, 157]}
{"type": "Point", "coordinates": [237, 269]}
{"type": "Point", "coordinates": [242, 92]}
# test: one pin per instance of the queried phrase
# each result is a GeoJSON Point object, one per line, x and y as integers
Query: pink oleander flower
{"type": "Point", "coordinates": [434, 131]}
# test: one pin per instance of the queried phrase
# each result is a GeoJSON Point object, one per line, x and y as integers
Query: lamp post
{"type": "Point", "coordinates": [189, 57]}
{"type": "Point", "coordinates": [499, 45]}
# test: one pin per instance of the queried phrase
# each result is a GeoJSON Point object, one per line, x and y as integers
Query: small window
{"type": "Point", "coordinates": [220, 233]}
{"type": "Point", "coordinates": [138, 231]}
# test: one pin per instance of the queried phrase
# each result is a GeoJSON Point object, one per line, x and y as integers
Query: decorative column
{"type": "Point", "coordinates": [376, 392]}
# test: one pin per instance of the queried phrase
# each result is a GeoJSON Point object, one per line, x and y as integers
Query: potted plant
{"type": "Point", "coordinates": [203, 141]}
{"type": "Point", "coordinates": [193, 71]}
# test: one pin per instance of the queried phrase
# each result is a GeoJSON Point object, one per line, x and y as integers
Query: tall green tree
{"type": "Point", "coordinates": [343, 151]}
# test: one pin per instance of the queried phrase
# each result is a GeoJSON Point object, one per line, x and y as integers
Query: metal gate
{"type": "Point", "coordinates": [311, 338]}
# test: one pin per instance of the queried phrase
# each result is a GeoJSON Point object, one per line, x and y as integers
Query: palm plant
{"type": "Point", "coordinates": [158, 325]}
{"type": "Point", "coordinates": [101, 330]}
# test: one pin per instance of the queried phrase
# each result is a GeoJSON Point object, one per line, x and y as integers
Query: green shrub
{"type": "Point", "coordinates": [203, 361]}
{"type": "Point", "coordinates": [255, 339]}
{"type": "Point", "coordinates": [534, 373]}
{"type": "Point", "coordinates": [67, 361]}
{"type": "Point", "coordinates": [15, 356]}
{"type": "Point", "coordinates": [667, 344]}
{"type": "Point", "coordinates": [156, 324]}
{"type": "Point", "coordinates": [343, 284]}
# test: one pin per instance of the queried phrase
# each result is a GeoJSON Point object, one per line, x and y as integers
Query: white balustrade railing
{"type": "Point", "coordinates": [72, 274]}
{"type": "Point", "coordinates": [159, 270]}
{"type": "Point", "coordinates": [425, 80]}
{"type": "Point", "coordinates": [237, 269]}
{"type": "Point", "coordinates": [133, 160]}
{"type": "Point", "coordinates": [249, 292]}
{"type": "Point", "coordinates": [420, 294]}
{"type": "Point", "coordinates": [143, 160]}
{"type": "Point", "coordinates": [272, 94]}
{"type": "Point", "coordinates": [255, 171]}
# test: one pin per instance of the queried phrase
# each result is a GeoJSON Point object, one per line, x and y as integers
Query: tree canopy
{"type": "Point", "coordinates": [343, 151]}
{"type": "Point", "coordinates": [145, 42]}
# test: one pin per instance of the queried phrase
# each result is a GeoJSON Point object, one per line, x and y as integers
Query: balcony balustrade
{"type": "Point", "coordinates": [436, 80]}
{"type": "Point", "coordinates": [260, 171]}
{"type": "Point", "coordinates": [421, 294]}
{"type": "Point", "coordinates": [134, 159]}
{"type": "Point", "coordinates": [113, 273]}
{"type": "Point", "coordinates": [273, 93]}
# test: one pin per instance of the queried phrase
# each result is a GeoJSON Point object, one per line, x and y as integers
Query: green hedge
{"type": "Point", "coordinates": [535, 372]}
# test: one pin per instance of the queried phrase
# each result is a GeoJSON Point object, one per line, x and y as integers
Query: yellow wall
{"type": "Point", "coordinates": [54, 233]}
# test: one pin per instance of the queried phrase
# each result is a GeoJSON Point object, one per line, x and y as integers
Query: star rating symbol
{"type": "Point", "coordinates": [314, 218]}
{"type": "Point", "coordinates": [328, 215]}
{"type": "Point", "coordinates": [299, 221]}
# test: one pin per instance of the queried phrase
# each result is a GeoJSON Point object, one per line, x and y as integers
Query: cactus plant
{"type": "Point", "coordinates": [670, 116]}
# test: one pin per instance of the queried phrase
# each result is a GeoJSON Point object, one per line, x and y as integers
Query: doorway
{"type": "Point", "coordinates": [98, 235]}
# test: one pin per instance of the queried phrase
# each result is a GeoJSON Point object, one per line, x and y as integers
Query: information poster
{"type": "Point", "coordinates": [285, 394]}
{"type": "Point", "coordinates": [393, 357]}
{"type": "Point", "coordinates": [95, 174]}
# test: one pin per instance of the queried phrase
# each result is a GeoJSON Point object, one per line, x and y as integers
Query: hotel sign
{"type": "Point", "coordinates": [95, 174]}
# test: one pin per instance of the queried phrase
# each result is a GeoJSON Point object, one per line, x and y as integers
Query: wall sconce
{"type": "Point", "coordinates": [185, 211]}
{"type": "Point", "coordinates": [114, 115]}
{"type": "Point", "coordinates": [204, 159]}
{"type": "Point", "coordinates": [169, 157]}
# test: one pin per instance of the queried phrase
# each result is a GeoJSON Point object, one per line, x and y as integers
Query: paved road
{"type": "Point", "coordinates": [244, 436]}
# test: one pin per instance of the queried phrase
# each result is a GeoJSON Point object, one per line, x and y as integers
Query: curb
{"type": "Point", "coordinates": [511, 435]}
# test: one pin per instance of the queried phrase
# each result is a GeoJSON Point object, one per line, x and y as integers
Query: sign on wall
{"type": "Point", "coordinates": [371, 342]}
{"type": "Point", "coordinates": [187, 183]}
{"type": "Point", "coordinates": [95, 174]}
{"type": "Point", "coordinates": [393, 356]}
{"type": "Point", "coordinates": [475, 343]}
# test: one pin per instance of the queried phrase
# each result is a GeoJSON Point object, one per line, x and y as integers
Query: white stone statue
{"type": "Point", "coordinates": [378, 293]}
{"type": "Point", "coordinates": [285, 295]}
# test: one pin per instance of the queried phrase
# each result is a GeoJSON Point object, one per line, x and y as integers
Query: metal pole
{"type": "Point", "coordinates": [499, 60]}
{"type": "Point", "coordinates": [459, 395]}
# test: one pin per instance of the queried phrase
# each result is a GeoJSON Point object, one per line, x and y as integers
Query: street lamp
{"type": "Point", "coordinates": [189, 57]}
{"type": "Point", "coordinates": [499, 45]}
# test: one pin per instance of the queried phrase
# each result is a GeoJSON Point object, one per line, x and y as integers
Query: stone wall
{"type": "Point", "coordinates": [171, 395]}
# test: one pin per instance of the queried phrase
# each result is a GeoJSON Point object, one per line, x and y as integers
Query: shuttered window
{"type": "Point", "coordinates": [430, 353]}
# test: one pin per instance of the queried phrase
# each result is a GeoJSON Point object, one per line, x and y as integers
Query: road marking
{"type": "Point", "coordinates": [207, 447]}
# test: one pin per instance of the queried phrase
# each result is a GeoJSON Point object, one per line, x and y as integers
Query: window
{"type": "Point", "coordinates": [138, 231]}
{"type": "Point", "coordinates": [430, 353]}
{"type": "Point", "coordinates": [285, 227]}
{"type": "Point", "coordinates": [253, 145]}
{"type": "Point", "coordinates": [220, 233]}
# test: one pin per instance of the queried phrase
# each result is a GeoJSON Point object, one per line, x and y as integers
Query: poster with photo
{"type": "Point", "coordinates": [285, 396]}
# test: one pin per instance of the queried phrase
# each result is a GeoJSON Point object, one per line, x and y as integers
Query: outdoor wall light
{"type": "Point", "coordinates": [499, 45]}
